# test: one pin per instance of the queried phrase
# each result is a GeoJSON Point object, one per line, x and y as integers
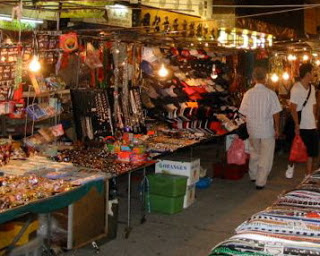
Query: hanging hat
{"type": "Point", "coordinates": [147, 67]}
{"type": "Point", "coordinates": [185, 53]}
{"type": "Point", "coordinates": [69, 42]}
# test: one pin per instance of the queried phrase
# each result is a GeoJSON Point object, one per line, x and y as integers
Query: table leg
{"type": "Point", "coordinates": [47, 245]}
{"type": "Point", "coordinates": [70, 227]}
{"type": "Point", "coordinates": [106, 206]}
{"type": "Point", "coordinates": [129, 228]}
{"type": "Point", "coordinates": [143, 202]}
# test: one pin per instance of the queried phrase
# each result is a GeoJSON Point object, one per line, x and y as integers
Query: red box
{"type": "Point", "coordinates": [229, 171]}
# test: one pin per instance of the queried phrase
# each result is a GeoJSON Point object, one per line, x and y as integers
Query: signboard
{"type": "Point", "coordinates": [155, 20]}
{"type": "Point", "coordinates": [120, 16]}
{"type": "Point", "coordinates": [114, 15]}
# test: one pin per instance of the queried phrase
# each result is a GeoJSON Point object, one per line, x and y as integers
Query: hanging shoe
{"type": "Point", "coordinates": [290, 171]}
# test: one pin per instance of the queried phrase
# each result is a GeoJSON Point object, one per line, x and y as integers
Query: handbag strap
{"type": "Point", "coordinates": [306, 101]}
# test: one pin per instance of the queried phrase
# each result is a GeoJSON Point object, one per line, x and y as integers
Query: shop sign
{"type": "Point", "coordinates": [114, 15]}
{"type": "Point", "coordinates": [119, 15]}
{"type": "Point", "coordinates": [244, 39]}
{"type": "Point", "coordinates": [155, 20]}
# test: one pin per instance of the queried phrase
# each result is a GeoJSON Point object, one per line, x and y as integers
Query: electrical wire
{"type": "Point", "coordinates": [180, 4]}
{"type": "Point", "coordinates": [80, 4]}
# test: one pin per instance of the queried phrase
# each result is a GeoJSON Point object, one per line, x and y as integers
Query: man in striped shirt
{"type": "Point", "coordinates": [261, 107]}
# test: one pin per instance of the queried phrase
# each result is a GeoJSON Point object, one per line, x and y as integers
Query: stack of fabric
{"type": "Point", "coordinates": [291, 226]}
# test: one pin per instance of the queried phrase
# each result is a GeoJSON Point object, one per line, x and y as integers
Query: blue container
{"type": "Point", "coordinates": [204, 183]}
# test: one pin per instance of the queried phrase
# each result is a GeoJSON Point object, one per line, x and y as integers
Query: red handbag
{"type": "Point", "coordinates": [298, 152]}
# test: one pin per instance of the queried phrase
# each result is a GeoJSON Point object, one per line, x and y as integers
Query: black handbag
{"type": "Point", "coordinates": [242, 131]}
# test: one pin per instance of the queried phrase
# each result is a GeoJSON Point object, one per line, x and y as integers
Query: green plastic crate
{"type": "Point", "coordinates": [165, 204]}
{"type": "Point", "coordinates": [167, 185]}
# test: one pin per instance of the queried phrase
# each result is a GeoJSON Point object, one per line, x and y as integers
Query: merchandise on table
{"type": "Point", "coordinates": [97, 159]}
{"type": "Point", "coordinates": [261, 245]}
{"type": "Point", "coordinates": [20, 190]}
{"type": "Point", "coordinates": [5, 151]}
{"type": "Point", "coordinates": [291, 226]}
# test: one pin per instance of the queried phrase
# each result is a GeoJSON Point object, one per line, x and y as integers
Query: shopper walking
{"type": "Point", "coordinates": [261, 107]}
{"type": "Point", "coordinates": [303, 106]}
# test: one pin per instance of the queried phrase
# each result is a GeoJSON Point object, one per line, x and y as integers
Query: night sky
{"type": "Point", "coordinates": [291, 19]}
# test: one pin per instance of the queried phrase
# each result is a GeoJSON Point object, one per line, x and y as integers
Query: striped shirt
{"type": "Point", "coordinates": [259, 104]}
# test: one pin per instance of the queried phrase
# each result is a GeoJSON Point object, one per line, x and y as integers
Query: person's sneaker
{"type": "Point", "coordinates": [290, 171]}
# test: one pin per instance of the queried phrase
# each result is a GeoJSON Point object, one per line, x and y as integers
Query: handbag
{"type": "Point", "coordinates": [242, 131]}
{"type": "Point", "coordinates": [298, 152]}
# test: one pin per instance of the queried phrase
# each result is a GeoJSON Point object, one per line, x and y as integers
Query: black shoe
{"type": "Point", "coordinates": [259, 187]}
{"type": "Point", "coordinates": [253, 180]}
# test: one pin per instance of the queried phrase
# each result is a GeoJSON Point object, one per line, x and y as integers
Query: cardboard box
{"type": "Point", "coordinates": [189, 168]}
{"type": "Point", "coordinates": [9, 230]}
{"type": "Point", "coordinates": [190, 196]}
{"type": "Point", "coordinates": [86, 220]}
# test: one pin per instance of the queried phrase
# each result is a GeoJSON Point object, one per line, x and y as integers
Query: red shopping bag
{"type": "Point", "coordinates": [298, 152]}
{"type": "Point", "coordinates": [236, 153]}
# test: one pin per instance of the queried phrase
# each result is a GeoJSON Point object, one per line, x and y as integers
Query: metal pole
{"type": "Point", "coordinates": [106, 206]}
{"type": "Point", "coordinates": [143, 210]}
{"type": "Point", "coordinates": [70, 227]}
{"type": "Point", "coordinates": [58, 16]}
{"type": "Point", "coordinates": [128, 229]}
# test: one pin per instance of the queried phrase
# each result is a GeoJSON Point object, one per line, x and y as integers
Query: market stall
{"type": "Point", "coordinates": [105, 106]}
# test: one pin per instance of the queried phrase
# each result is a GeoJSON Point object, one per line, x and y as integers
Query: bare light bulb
{"type": "Point", "coordinates": [292, 57]}
{"type": "Point", "coordinates": [163, 71]}
{"type": "Point", "coordinates": [214, 74]}
{"type": "Point", "coordinates": [206, 44]}
{"type": "Point", "coordinates": [274, 78]}
{"type": "Point", "coordinates": [318, 62]}
{"type": "Point", "coordinates": [34, 65]}
{"type": "Point", "coordinates": [285, 76]}
{"type": "Point", "coordinates": [305, 57]}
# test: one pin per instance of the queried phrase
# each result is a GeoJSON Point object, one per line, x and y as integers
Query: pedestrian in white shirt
{"type": "Point", "coordinates": [303, 106]}
{"type": "Point", "coordinates": [261, 107]}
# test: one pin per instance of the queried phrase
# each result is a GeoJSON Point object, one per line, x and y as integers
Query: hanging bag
{"type": "Point", "coordinates": [236, 153]}
{"type": "Point", "coordinates": [298, 152]}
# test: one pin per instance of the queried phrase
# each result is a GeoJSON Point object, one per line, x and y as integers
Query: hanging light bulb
{"type": "Point", "coordinates": [206, 44]}
{"type": "Point", "coordinates": [163, 71]}
{"type": "Point", "coordinates": [214, 73]}
{"type": "Point", "coordinates": [285, 76]}
{"type": "Point", "coordinates": [318, 62]}
{"type": "Point", "coordinates": [274, 78]}
{"type": "Point", "coordinates": [292, 57]}
{"type": "Point", "coordinates": [34, 65]}
{"type": "Point", "coordinates": [305, 57]}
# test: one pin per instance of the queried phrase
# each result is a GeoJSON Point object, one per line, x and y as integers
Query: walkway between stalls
{"type": "Point", "coordinates": [211, 219]}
